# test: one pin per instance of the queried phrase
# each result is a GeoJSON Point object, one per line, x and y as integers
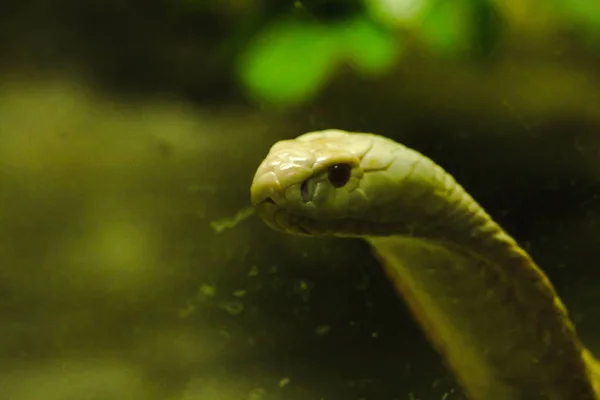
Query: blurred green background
{"type": "Point", "coordinates": [130, 131]}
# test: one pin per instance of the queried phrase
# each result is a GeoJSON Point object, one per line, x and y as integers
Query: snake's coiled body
{"type": "Point", "coordinates": [482, 301]}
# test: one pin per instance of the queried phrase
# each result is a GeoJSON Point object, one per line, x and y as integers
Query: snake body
{"type": "Point", "coordinates": [484, 304]}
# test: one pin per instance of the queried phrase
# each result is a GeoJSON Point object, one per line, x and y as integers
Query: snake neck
{"type": "Point", "coordinates": [483, 302]}
{"type": "Point", "coordinates": [594, 365]}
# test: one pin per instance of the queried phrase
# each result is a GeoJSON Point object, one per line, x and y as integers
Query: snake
{"type": "Point", "coordinates": [489, 311]}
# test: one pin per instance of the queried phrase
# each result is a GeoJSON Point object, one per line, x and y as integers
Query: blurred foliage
{"type": "Point", "coordinates": [586, 12]}
{"type": "Point", "coordinates": [291, 60]}
{"type": "Point", "coordinates": [119, 279]}
{"type": "Point", "coordinates": [299, 47]}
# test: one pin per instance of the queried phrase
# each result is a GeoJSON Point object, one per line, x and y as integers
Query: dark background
{"type": "Point", "coordinates": [125, 131]}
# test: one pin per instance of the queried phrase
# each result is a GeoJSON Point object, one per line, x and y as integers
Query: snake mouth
{"type": "Point", "coordinates": [281, 219]}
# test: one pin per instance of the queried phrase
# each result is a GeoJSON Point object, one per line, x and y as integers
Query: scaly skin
{"type": "Point", "coordinates": [486, 307]}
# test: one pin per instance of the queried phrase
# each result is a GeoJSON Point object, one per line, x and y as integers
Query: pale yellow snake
{"type": "Point", "coordinates": [481, 300]}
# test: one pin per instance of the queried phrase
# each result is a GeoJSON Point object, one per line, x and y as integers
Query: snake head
{"type": "Point", "coordinates": [313, 185]}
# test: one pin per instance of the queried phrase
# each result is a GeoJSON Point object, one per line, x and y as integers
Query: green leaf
{"type": "Point", "coordinates": [288, 62]}
{"type": "Point", "coordinates": [371, 49]}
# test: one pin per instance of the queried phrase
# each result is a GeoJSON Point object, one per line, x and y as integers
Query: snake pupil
{"type": "Point", "coordinates": [339, 174]}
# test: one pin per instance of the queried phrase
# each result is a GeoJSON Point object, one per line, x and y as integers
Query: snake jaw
{"type": "Point", "coordinates": [279, 219]}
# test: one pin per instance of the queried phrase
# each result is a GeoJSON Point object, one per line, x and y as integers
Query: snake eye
{"type": "Point", "coordinates": [339, 174]}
